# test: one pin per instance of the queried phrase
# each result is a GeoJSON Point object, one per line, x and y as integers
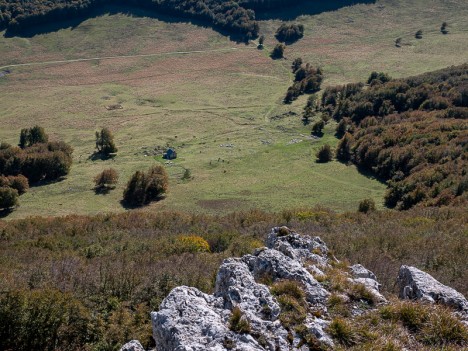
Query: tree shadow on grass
{"type": "Point", "coordinates": [128, 206]}
{"type": "Point", "coordinates": [107, 10]}
{"type": "Point", "coordinates": [103, 190]}
{"type": "Point", "coordinates": [45, 182]}
{"type": "Point", "coordinates": [304, 7]}
{"type": "Point", "coordinates": [99, 156]}
{"type": "Point", "coordinates": [6, 212]}
{"type": "Point", "coordinates": [366, 172]}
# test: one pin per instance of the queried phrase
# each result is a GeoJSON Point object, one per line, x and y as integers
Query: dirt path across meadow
{"type": "Point", "coordinates": [123, 56]}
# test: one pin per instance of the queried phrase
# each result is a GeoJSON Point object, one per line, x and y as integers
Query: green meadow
{"type": "Point", "coordinates": [219, 103]}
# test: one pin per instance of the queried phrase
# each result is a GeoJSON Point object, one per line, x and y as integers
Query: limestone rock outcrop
{"type": "Point", "coordinates": [133, 345]}
{"type": "Point", "coordinates": [415, 284]}
{"type": "Point", "coordinates": [189, 320]}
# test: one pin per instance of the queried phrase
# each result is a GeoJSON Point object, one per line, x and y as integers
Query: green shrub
{"type": "Point", "coordinates": [366, 206]}
{"type": "Point", "coordinates": [443, 328]}
{"type": "Point", "coordinates": [142, 188]}
{"type": "Point", "coordinates": [342, 331]}
{"type": "Point", "coordinates": [278, 51]}
{"type": "Point", "coordinates": [238, 322]}
{"type": "Point", "coordinates": [8, 197]}
{"type": "Point", "coordinates": [291, 298]}
{"type": "Point", "coordinates": [325, 154]}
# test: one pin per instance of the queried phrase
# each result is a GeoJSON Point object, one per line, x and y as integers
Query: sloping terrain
{"type": "Point", "coordinates": [218, 103]}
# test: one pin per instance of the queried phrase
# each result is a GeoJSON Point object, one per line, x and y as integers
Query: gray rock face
{"type": "Point", "coordinates": [359, 271]}
{"type": "Point", "coordinates": [415, 284]}
{"type": "Point", "coordinates": [365, 277]}
{"type": "Point", "coordinates": [133, 345]}
{"type": "Point", "coordinates": [189, 320]}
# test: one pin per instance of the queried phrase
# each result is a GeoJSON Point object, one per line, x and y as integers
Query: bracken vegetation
{"type": "Point", "coordinates": [410, 132]}
{"type": "Point", "coordinates": [106, 273]}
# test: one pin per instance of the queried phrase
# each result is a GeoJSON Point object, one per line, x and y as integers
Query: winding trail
{"type": "Point", "coordinates": [124, 56]}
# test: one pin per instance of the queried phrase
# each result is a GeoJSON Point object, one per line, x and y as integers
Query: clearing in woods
{"type": "Point", "coordinates": [217, 102]}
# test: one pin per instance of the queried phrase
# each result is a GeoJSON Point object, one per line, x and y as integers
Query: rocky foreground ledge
{"type": "Point", "coordinates": [247, 311]}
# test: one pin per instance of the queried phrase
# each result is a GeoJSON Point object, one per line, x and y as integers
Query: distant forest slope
{"type": "Point", "coordinates": [235, 17]}
{"type": "Point", "coordinates": [412, 132]}
{"type": "Point", "coordinates": [17, 15]}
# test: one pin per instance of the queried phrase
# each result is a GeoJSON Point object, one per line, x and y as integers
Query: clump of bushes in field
{"type": "Point", "coordinates": [289, 33]}
{"type": "Point", "coordinates": [324, 154]}
{"type": "Point", "coordinates": [106, 180]}
{"type": "Point", "coordinates": [105, 145]}
{"type": "Point", "coordinates": [278, 52]}
{"type": "Point", "coordinates": [307, 80]}
{"type": "Point", "coordinates": [35, 159]}
{"type": "Point", "coordinates": [144, 187]}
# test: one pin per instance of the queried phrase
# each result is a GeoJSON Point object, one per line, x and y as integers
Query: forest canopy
{"type": "Point", "coordinates": [410, 132]}
{"type": "Point", "coordinates": [17, 15]}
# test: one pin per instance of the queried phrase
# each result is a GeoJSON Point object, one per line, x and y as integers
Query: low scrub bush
{"type": "Point", "coordinates": [239, 322]}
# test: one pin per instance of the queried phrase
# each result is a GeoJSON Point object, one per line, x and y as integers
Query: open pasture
{"type": "Point", "coordinates": [218, 102]}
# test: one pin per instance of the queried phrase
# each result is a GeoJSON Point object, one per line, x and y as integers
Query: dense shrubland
{"type": "Point", "coordinates": [105, 273]}
{"type": "Point", "coordinates": [411, 132]}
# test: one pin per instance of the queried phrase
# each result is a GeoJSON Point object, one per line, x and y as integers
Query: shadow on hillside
{"type": "Point", "coordinates": [108, 10]}
{"type": "Point", "coordinates": [304, 7]}
{"type": "Point", "coordinates": [6, 212]}
{"type": "Point", "coordinates": [307, 7]}
{"type": "Point", "coordinates": [128, 206]}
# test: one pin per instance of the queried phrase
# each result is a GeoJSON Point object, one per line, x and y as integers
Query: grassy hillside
{"type": "Point", "coordinates": [219, 103]}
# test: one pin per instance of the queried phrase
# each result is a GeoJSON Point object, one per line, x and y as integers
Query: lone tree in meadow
{"type": "Point", "coordinates": [106, 180]}
{"type": "Point", "coordinates": [325, 154]}
{"type": "Point", "coordinates": [317, 128]}
{"type": "Point", "coordinates": [419, 34]}
{"type": "Point", "coordinates": [289, 33]}
{"type": "Point", "coordinates": [105, 142]}
{"type": "Point", "coordinates": [366, 206]}
{"type": "Point", "coordinates": [443, 28]}
{"type": "Point", "coordinates": [142, 188]}
{"type": "Point", "coordinates": [261, 41]}
{"type": "Point", "coordinates": [32, 136]}
{"type": "Point", "coordinates": [278, 52]}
